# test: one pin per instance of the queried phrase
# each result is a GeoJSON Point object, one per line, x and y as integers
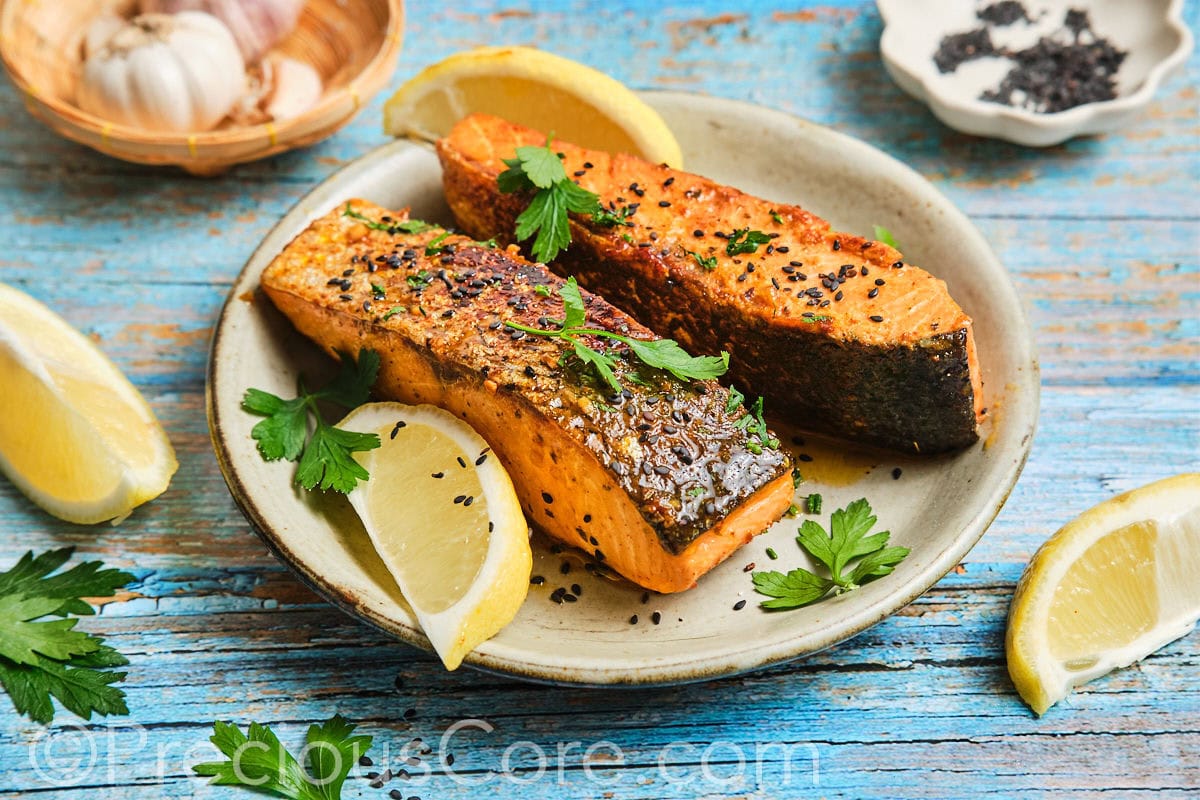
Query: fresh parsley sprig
{"type": "Point", "coordinates": [43, 658]}
{"type": "Point", "coordinates": [851, 556]}
{"type": "Point", "coordinates": [555, 196]}
{"type": "Point", "coordinates": [664, 354]}
{"type": "Point", "coordinates": [325, 455]}
{"type": "Point", "coordinates": [258, 761]}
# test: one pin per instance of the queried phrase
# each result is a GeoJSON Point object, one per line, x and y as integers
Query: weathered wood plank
{"type": "Point", "coordinates": [1099, 234]}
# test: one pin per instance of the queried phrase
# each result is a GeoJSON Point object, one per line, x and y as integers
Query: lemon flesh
{"type": "Point", "coordinates": [75, 435]}
{"type": "Point", "coordinates": [533, 88]}
{"type": "Point", "coordinates": [1106, 590]}
{"type": "Point", "coordinates": [445, 519]}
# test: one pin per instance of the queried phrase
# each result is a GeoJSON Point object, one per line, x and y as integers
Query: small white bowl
{"type": "Point", "coordinates": [1151, 31]}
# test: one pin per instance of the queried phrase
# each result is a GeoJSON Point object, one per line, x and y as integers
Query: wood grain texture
{"type": "Point", "coordinates": [1102, 237]}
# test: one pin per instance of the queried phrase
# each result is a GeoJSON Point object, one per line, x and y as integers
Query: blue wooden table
{"type": "Point", "coordinates": [1102, 237]}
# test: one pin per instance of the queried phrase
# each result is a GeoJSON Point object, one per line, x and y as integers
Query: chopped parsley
{"type": "Point", "coordinates": [403, 226]}
{"type": "Point", "coordinates": [707, 262]}
{"type": "Point", "coordinates": [744, 240]}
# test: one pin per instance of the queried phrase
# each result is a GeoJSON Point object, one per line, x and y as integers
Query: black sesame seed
{"type": "Point", "coordinates": [365, 761]}
{"type": "Point", "coordinates": [438, 475]}
{"type": "Point", "coordinates": [664, 203]}
{"type": "Point", "coordinates": [633, 620]}
{"type": "Point", "coordinates": [699, 234]}
{"type": "Point", "coordinates": [656, 617]}
{"type": "Point", "coordinates": [482, 458]}
{"type": "Point", "coordinates": [805, 457]}
{"type": "Point", "coordinates": [876, 318]}
{"type": "Point", "coordinates": [459, 499]}
{"type": "Point", "coordinates": [838, 296]}
{"type": "Point", "coordinates": [749, 567]}
{"type": "Point", "coordinates": [565, 569]}
{"type": "Point", "coordinates": [739, 605]}
{"type": "Point", "coordinates": [546, 496]}
{"type": "Point", "coordinates": [576, 589]}
{"type": "Point", "coordinates": [896, 473]}
{"type": "Point", "coordinates": [898, 265]}
{"type": "Point", "coordinates": [345, 297]}
{"type": "Point", "coordinates": [468, 501]}
{"type": "Point", "coordinates": [880, 281]}
{"type": "Point", "coordinates": [837, 244]}
{"type": "Point", "coordinates": [396, 429]}
{"type": "Point", "coordinates": [568, 597]}
{"type": "Point", "coordinates": [645, 598]}
{"type": "Point", "coordinates": [460, 461]}
{"type": "Point", "coordinates": [410, 713]}
{"type": "Point", "coordinates": [587, 517]}
{"type": "Point", "coordinates": [874, 292]}
{"type": "Point", "coordinates": [537, 580]}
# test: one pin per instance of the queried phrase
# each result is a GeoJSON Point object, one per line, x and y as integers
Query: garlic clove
{"type": "Point", "coordinates": [297, 87]}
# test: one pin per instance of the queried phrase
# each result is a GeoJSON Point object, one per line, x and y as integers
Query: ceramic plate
{"type": "Point", "coordinates": [938, 507]}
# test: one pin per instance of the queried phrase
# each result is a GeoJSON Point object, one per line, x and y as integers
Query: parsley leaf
{"type": "Point", "coordinates": [744, 240]}
{"type": "Point", "coordinates": [259, 761]}
{"type": "Point", "coordinates": [846, 542]}
{"type": "Point", "coordinates": [778, 220]}
{"type": "Point", "coordinates": [42, 659]}
{"type": "Point", "coordinates": [882, 234]}
{"type": "Point", "coordinates": [419, 281]}
{"type": "Point", "coordinates": [326, 456]}
{"type": "Point", "coordinates": [664, 354]}
{"type": "Point", "coordinates": [707, 262]}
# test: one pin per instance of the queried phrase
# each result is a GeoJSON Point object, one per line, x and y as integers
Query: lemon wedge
{"type": "Point", "coordinates": [536, 89]}
{"type": "Point", "coordinates": [1111, 587]}
{"type": "Point", "coordinates": [443, 515]}
{"type": "Point", "coordinates": [75, 435]}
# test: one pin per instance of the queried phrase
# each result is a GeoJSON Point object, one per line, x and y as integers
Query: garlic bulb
{"type": "Point", "coordinates": [257, 25]}
{"type": "Point", "coordinates": [176, 73]}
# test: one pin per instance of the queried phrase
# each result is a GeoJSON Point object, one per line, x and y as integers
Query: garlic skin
{"type": "Point", "coordinates": [257, 25]}
{"type": "Point", "coordinates": [175, 74]}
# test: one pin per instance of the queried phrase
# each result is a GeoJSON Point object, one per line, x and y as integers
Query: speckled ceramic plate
{"type": "Point", "coordinates": [938, 507]}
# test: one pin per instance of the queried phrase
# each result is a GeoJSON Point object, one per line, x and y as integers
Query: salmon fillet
{"type": "Point", "coordinates": [658, 482]}
{"type": "Point", "coordinates": [838, 333]}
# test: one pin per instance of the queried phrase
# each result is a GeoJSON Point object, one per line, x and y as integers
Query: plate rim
{"type": "Point", "coordinates": [758, 654]}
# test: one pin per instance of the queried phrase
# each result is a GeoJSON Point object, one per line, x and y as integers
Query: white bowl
{"type": "Point", "coordinates": [1151, 31]}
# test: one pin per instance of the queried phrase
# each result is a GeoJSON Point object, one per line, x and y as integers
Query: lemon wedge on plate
{"type": "Point", "coordinates": [536, 89]}
{"type": "Point", "coordinates": [1111, 587]}
{"type": "Point", "coordinates": [75, 435]}
{"type": "Point", "coordinates": [442, 514]}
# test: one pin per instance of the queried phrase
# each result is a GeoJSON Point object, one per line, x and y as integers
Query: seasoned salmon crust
{"type": "Point", "coordinates": [839, 333]}
{"type": "Point", "coordinates": [659, 482]}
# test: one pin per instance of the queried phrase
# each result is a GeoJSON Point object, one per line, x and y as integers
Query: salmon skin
{"type": "Point", "coordinates": [839, 334]}
{"type": "Point", "coordinates": [658, 482]}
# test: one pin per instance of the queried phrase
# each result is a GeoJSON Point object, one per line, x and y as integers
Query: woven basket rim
{"type": "Point", "coordinates": [359, 89]}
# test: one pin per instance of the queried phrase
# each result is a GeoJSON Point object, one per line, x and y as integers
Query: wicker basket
{"type": "Point", "coordinates": [353, 44]}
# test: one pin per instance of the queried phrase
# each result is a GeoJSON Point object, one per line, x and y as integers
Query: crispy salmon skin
{"type": "Point", "coordinates": [659, 482]}
{"type": "Point", "coordinates": [839, 333]}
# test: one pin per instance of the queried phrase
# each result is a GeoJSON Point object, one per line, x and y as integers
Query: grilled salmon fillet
{"type": "Point", "coordinates": [839, 333]}
{"type": "Point", "coordinates": [658, 482]}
